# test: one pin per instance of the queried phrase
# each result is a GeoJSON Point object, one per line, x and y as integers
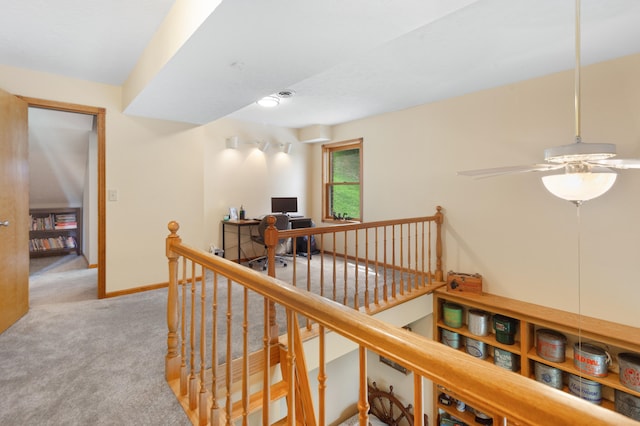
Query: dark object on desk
{"type": "Point", "coordinates": [282, 223]}
{"type": "Point", "coordinates": [301, 242]}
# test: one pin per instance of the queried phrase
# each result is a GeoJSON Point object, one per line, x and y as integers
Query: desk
{"type": "Point", "coordinates": [239, 224]}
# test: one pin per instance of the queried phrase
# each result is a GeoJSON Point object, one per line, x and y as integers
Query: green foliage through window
{"type": "Point", "coordinates": [342, 180]}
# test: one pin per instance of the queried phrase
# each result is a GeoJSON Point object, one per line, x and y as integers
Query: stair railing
{"type": "Point", "coordinates": [212, 392]}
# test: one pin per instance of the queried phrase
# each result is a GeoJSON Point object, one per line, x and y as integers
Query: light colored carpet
{"type": "Point", "coordinates": [76, 360]}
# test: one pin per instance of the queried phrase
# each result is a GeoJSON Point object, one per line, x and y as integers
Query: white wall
{"type": "Point", "coordinates": [510, 229]}
{"type": "Point", "coordinates": [247, 176]}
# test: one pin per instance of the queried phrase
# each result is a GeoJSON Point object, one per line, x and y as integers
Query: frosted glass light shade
{"type": "Point", "coordinates": [579, 187]}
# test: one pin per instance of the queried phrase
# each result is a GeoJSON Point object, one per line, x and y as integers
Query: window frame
{"type": "Point", "coordinates": [327, 151]}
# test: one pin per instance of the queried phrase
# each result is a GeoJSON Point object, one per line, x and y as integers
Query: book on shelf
{"type": "Point", "coordinates": [52, 243]}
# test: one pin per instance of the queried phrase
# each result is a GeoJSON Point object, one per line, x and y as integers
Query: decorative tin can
{"type": "Point", "coordinates": [478, 322]}
{"type": "Point", "coordinates": [627, 404]}
{"type": "Point", "coordinates": [506, 359]}
{"type": "Point", "coordinates": [505, 328]}
{"type": "Point", "coordinates": [550, 345]}
{"type": "Point", "coordinates": [476, 348]}
{"type": "Point", "coordinates": [586, 389]}
{"type": "Point", "coordinates": [630, 370]}
{"type": "Point", "coordinates": [591, 359]}
{"type": "Point", "coordinates": [451, 338]}
{"type": "Point", "coordinates": [452, 315]}
{"type": "Point", "coordinates": [548, 375]}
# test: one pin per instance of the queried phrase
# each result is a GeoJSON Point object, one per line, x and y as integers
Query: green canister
{"type": "Point", "coordinates": [505, 328]}
{"type": "Point", "coordinates": [452, 314]}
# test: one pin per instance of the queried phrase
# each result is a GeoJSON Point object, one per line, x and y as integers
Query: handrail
{"type": "Point", "coordinates": [512, 396]}
{"type": "Point", "coordinates": [403, 258]}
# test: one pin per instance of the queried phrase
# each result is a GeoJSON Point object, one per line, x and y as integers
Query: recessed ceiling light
{"type": "Point", "coordinates": [269, 101]}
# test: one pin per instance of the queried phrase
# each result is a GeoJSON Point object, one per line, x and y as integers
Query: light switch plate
{"type": "Point", "coordinates": [113, 195]}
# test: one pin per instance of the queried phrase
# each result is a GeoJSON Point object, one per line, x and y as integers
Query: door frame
{"type": "Point", "coordinates": [100, 114]}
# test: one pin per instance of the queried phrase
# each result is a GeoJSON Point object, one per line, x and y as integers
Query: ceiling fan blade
{"type": "Point", "coordinates": [618, 163]}
{"type": "Point", "coordinates": [498, 171]}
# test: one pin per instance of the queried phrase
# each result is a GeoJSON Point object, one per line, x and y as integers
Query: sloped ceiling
{"type": "Point", "coordinates": [344, 60]}
{"type": "Point", "coordinates": [58, 155]}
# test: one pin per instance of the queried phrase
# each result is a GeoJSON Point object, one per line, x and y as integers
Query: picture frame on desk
{"type": "Point", "coordinates": [233, 213]}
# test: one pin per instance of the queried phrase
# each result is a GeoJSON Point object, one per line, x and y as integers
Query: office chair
{"type": "Point", "coordinates": [282, 223]}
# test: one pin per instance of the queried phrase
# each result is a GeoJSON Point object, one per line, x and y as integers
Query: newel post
{"type": "Point", "coordinates": [172, 360]}
{"type": "Point", "coordinates": [439, 220]}
{"type": "Point", "coordinates": [271, 241]}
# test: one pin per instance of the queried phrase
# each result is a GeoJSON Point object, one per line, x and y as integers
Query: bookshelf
{"type": "Point", "coordinates": [55, 231]}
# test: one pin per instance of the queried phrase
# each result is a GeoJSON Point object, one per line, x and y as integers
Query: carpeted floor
{"type": "Point", "coordinates": [76, 360]}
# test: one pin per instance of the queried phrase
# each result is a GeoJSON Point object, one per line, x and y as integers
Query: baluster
{"type": "Point", "coordinates": [229, 378]}
{"type": "Point", "coordinates": [193, 383]}
{"type": "Point", "coordinates": [203, 415]}
{"type": "Point", "coordinates": [439, 220]}
{"type": "Point", "coordinates": [366, 268]}
{"type": "Point", "coordinates": [322, 265]}
{"type": "Point", "coordinates": [401, 269]}
{"type": "Point", "coordinates": [385, 286]}
{"type": "Point", "coordinates": [184, 380]}
{"type": "Point", "coordinates": [393, 262]}
{"type": "Point", "coordinates": [376, 295]}
{"type": "Point", "coordinates": [416, 276]}
{"type": "Point", "coordinates": [430, 275]}
{"type": "Point", "coordinates": [417, 399]}
{"type": "Point", "coordinates": [335, 278]}
{"type": "Point", "coordinates": [345, 274]}
{"type": "Point", "coordinates": [291, 371]}
{"type": "Point", "coordinates": [309, 326]}
{"type": "Point", "coordinates": [356, 302]}
{"type": "Point", "coordinates": [266, 371]}
{"type": "Point", "coordinates": [322, 377]}
{"type": "Point", "coordinates": [363, 399]}
{"type": "Point", "coordinates": [215, 409]}
{"type": "Point", "coordinates": [245, 356]}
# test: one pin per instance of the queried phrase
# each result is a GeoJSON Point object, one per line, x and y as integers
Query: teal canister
{"type": "Point", "coordinates": [451, 338]}
{"type": "Point", "coordinates": [452, 314]}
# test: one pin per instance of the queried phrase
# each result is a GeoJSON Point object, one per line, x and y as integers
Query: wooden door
{"type": "Point", "coordinates": [14, 210]}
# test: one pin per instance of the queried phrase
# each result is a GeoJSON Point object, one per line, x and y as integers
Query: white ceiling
{"type": "Point", "coordinates": [344, 59]}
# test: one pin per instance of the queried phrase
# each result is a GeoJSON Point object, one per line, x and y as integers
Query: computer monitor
{"type": "Point", "coordinates": [284, 205]}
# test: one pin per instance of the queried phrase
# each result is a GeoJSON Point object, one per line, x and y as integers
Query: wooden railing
{"type": "Point", "coordinates": [366, 265]}
{"type": "Point", "coordinates": [216, 359]}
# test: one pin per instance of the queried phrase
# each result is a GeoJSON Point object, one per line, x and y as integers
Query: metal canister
{"type": "Point", "coordinates": [478, 322]}
{"type": "Point", "coordinates": [505, 359]}
{"type": "Point", "coordinates": [505, 328]}
{"type": "Point", "coordinates": [630, 370]}
{"type": "Point", "coordinates": [452, 314]}
{"type": "Point", "coordinates": [627, 404]}
{"type": "Point", "coordinates": [450, 338]}
{"type": "Point", "coordinates": [476, 348]}
{"type": "Point", "coordinates": [591, 359]}
{"type": "Point", "coordinates": [586, 389]}
{"type": "Point", "coordinates": [550, 345]}
{"type": "Point", "coordinates": [548, 375]}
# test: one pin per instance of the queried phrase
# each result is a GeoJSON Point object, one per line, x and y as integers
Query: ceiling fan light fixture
{"type": "Point", "coordinates": [581, 186]}
{"type": "Point", "coordinates": [579, 151]}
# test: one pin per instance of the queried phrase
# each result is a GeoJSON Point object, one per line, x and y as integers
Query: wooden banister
{"type": "Point", "coordinates": [519, 399]}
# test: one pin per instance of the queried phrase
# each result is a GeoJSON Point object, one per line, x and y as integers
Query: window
{"type": "Point", "coordinates": [342, 180]}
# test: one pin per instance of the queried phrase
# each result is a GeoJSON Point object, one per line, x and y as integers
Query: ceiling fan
{"type": "Point", "coordinates": [587, 166]}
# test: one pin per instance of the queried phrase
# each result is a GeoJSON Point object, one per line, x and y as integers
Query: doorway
{"type": "Point", "coordinates": [99, 118]}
